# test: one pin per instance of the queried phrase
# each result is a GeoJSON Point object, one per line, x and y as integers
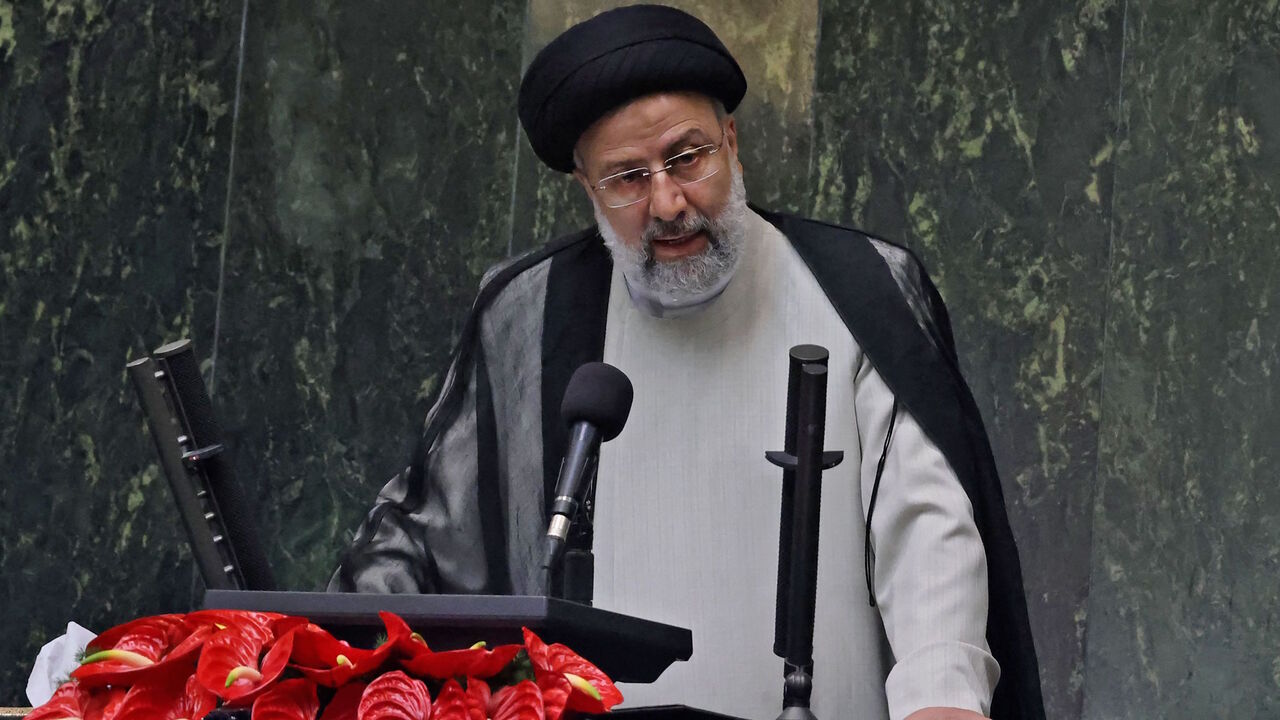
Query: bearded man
{"type": "Point", "coordinates": [697, 297]}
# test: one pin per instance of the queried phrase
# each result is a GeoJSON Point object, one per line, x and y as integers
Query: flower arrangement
{"type": "Point", "coordinates": [267, 666]}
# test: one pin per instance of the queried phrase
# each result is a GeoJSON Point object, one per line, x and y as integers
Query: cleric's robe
{"type": "Point", "coordinates": [686, 511]}
{"type": "Point", "coordinates": [468, 514]}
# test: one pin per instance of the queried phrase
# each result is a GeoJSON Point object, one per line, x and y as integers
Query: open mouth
{"type": "Point", "coordinates": [677, 241]}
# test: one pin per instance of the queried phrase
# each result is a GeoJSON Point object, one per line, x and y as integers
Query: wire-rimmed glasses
{"type": "Point", "coordinates": [687, 167]}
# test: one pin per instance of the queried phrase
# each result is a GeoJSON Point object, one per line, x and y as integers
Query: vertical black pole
{"type": "Point", "coordinates": [802, 513]}
{"type": "Point", "coordinates": [807, 512]}
{"type": "Point", "coordinates": [579, 570]}
{"type": "Point", "coordinates": [799, 356]}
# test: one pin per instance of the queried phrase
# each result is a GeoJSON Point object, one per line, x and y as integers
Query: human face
{"type": "Point", "coordinates": [645, 133]}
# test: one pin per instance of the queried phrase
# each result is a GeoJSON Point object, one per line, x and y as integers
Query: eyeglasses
{"type": "Point", "coordinates": [685, 168]}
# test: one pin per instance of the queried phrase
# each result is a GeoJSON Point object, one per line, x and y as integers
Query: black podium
{"type": "Point", "coordinates": [627, 649]}
{"type": "Point", "coordinates": [218, 521]}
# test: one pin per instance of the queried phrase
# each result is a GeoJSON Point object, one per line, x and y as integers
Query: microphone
{"type": "Point", "coordinates": [595, 407]}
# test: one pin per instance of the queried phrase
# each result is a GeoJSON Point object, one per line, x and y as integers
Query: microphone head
{"type": "Point", "coordinates": [599, 394]}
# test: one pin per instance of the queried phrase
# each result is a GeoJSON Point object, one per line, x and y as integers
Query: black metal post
{"type": "Point", "coordinates": [802, 464]}
{"type": "Point", "coordinates": [579, 560]}
{"type": "Point", "coordinates": [800, 355]}
{"type": "Point", "coordinates": [807, 511]}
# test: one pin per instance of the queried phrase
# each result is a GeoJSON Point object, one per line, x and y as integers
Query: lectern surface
{"type": "Point", "coordinates": [626, 648]}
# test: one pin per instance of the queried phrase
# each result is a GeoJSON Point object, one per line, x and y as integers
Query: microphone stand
{"type": "Point", "coordinates": [570, 574]}
{"type": "Point", "coordinates": [801, 512]}
{"type": "Point", "coordinates": [579, 570]}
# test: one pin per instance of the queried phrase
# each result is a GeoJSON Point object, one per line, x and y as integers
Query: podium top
{"type": "Point", "coordinates": [626, 648]}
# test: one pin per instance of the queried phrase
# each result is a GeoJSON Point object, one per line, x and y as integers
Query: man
{"type": "Point", "coordinates": [697, 297]}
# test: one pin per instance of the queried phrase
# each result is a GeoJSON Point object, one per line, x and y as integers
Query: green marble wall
{"type": "Point", "coordinates": [1093, 184]}
{"type": "Point", "coordinates": [1183, 612]}
{"type": "Point", "coordinates": [373, 188]}
{"type": "Point", "coordinates": [114, 139]}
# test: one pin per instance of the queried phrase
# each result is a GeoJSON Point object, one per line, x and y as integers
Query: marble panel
{"type": "Point", "coordinates": [981, 135]}
{"type": "Point", "coordinates": [115, 128]}
{"type": "Point", "coordinates": [1183, 618]}
{"type": "Point", "coordinates": [373, 188]}
{"type": "Point", "coordinates": [774, 42]}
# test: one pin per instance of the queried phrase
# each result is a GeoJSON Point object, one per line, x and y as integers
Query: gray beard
{"type": "Point", "coordinates": [688, 279]}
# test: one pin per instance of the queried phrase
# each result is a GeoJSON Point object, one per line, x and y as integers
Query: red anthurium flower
{"type": "Point", "coordinates": [196, 702]}
{"type": "Point", "coordinates": [148, 636]}
{"type": "Point", "coordinates": [331, 662]}
{"type": "Point", "coordinates": [555, 690]}
{"type": "Point", "coordinates": [230, 649]}
{"type": "Point", "coordinates": [229, 666]}
{"type": "Point", "coordinates": [473, 662]}
{"type": "Point", "coordinates": [477, 699]}
{"type": "Point", "coordinates": [265, 621]}
{"type": "Point", "coordinates": [166, 700]}
{"type": "Point", "coordinates": [328, 661]}
{"type": "Point", "coordinates": [287, 700]}
{"type": "Point", "coordinates": [136, 652]}
{"type": "Point", "coordinates": [273, 664]}
{"type": "Point", "coordinates": [451, 703]}
{"type": "Point", "coordinates": [418, 659]}
{"type": "Point", "coordinates": [593, 691]}
{"type": "Point", "coordinates": [404, 640]}
{"type": "Point", "coordinates": [454, 703]}
{"type": "Point", "coordinates": [102, 703]}
{"type": "Point", "coordinates": [266, 625]}
{"type": "Point", "coordinates": [175, 666]}
{"type": "Point", "coordinates": [517, 702]}
{"type": "Point", "coordinates": [65, 703]}
{"type": "Point", "coordinates": [345, 704]}
{"type": "Point", "coordinates": [395, 696]}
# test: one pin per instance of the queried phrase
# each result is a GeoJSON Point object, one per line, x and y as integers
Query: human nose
{"type": "Point", "coordinates": [666, 197]}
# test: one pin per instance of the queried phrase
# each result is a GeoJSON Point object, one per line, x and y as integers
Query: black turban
{"type": "Point", "coordinates": [613, 58]}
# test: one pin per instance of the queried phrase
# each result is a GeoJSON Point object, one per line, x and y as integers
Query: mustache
{"type": "Point", "coordinates": [687, 224]}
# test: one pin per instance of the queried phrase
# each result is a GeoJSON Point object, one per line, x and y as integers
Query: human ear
{"type": "Point", "coordinates": [731, 139]}
{"type": "Point", "coordinates": [581, 177]}
{"type": "Point", "coordinates": [731, 135]}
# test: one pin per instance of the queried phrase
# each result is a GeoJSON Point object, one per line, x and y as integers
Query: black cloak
{"type": "Point", "coordinates": [468, 514]}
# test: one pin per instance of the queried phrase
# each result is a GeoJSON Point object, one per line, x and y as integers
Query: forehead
{"type": "Point", "coordinates": [644, 127]}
